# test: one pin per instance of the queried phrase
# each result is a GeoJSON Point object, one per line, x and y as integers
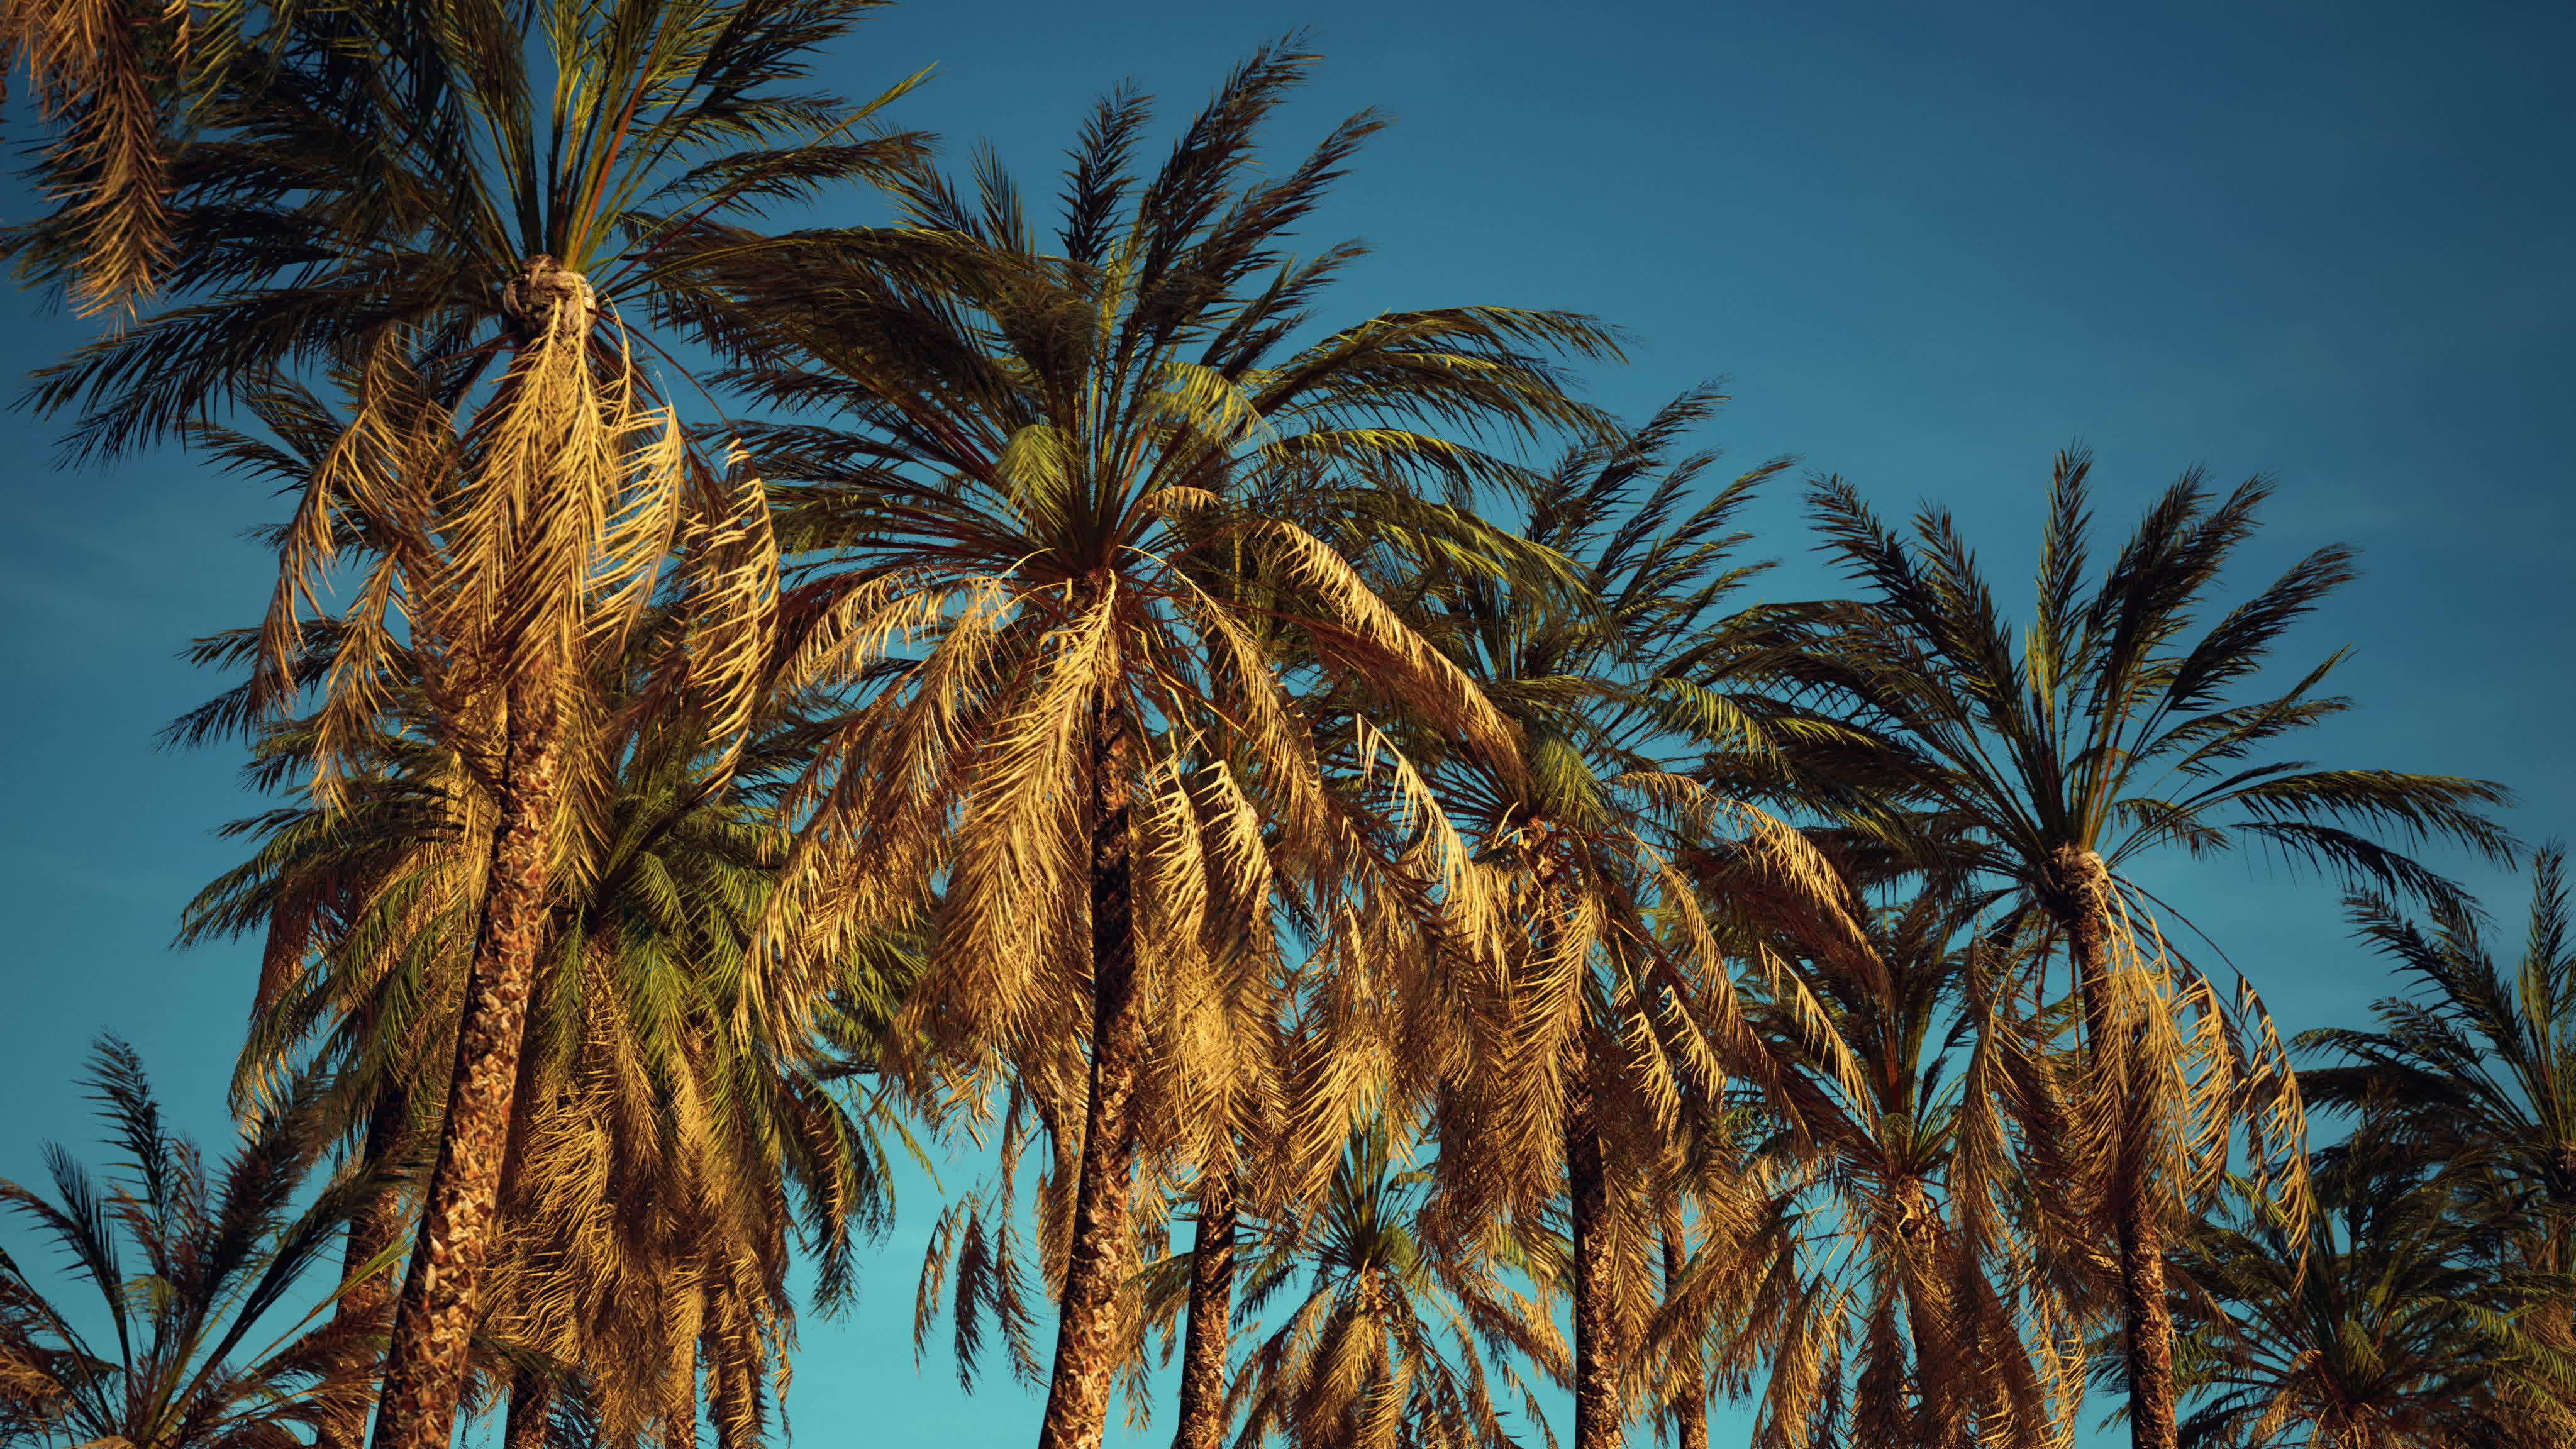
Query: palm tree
{"type": "Point", "coordinates": [1060, 515]}
{"type": "Point", "coordinates": [2048, 761]}
{"type": "Point", "coordinates": [382, 180]}
{"type": "Point", "coordinates": [220, 1252]}
{"type": "Point", "coordinates": [1911, 1304]}
{"type": "Point", "coordinates": [2470, 1079]}
{"type": "Point", "coordinates": [1239, 1176]}
{"type": "Point", "coordinates": [660, 1147]}
{"type": "Point", "coordinates": [1390, 1344]}
{"type": "Point", "coordinates": [382, 887]}
{"type": "Point", "coordinates": [513, 701]}
{"type": "Point", "coordinates": [1619, 1016]}
{"type": "Point", "coordinates": [682, 1134]}
{"type": "Point", "coordinates": [2479, 1072]}
{"type": "Point", "coordinates": [518, 530]}
{"type": "Point", "coordinates": [2381, 1322]}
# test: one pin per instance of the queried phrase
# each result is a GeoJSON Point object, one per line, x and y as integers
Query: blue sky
{"type": "Point", "coordinates": [1929, 244]}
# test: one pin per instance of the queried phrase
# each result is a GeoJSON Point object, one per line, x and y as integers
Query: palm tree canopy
{"type": "Point", "coordinates": [2113, 723]}
{"type": "Point", "coordinates": [1096, 474]}
{"type": "Point", "coordinates": [380, 175]}
{"type": "Point", "coordinates": [200, 1355]}
{"type": "Point", "coordinates": [2479, 1067]}
{"type": "Point", "coordinates": [1399, 1338]}
{"type": "Point", "coordinates": [2381, 1322]}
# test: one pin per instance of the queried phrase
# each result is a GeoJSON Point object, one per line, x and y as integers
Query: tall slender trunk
{"type": "Point", "coordinates": [1597, 1420]}
{"type": "Point", "coordinates": [1207, 1343]}
{"type": "Point", "coordinates": [434, 1322]}
{"type": "Point", "coordinates": [532, 1407]}
{"type": "Point", "coordinates": [1097, 1265]}
{"type": "Point", "coordinates": [366, 1303]}
{"type": "Point", "coordinates": [1687, 1408]}
{"type": "Point", "coordinates": [2081, 901]}
{"type": "Point", "coordinates": [2146, 1317]}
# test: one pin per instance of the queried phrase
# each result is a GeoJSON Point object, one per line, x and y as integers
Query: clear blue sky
{"type": "Point", "coordinates": [1929, 244]}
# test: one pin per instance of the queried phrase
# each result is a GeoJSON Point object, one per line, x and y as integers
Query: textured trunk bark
{"type": "Point", "coordinates": [1096, 1267]}
{"type": "Point", "coordinates": [434, 1322]}
{"type": "Point", "coordinates": [365, 1305]}
{"type": "Point", "coordinates": [1687, 1410]}
{"type": "Point", "coordinates": [532, 1406]}
{"type": "Point", "coordinates": [1207, 1343]}
{"type": "Point", "coordinates": [2147, 1318]}
{"type": "Point", "coordinates": [2082, 904]}
{"type": "Point", "coordinates": [1597, 1420]}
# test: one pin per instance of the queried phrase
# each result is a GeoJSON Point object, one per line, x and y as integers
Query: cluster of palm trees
{"type": "Point", "coordinates": [753, 701]}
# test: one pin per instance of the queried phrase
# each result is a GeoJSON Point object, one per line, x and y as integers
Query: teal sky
{"type": "Point", "coordinates": [1929, 244]}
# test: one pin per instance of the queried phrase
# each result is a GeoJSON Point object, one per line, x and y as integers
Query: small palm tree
{"type": "Point", "coordinates": [1924, 1315]}
{"type": "Point", "coordinates": [2381, 1322]}
{"type": "Point", "coordinates": [1400, 1338]}
{"type": "Point", "coordinates": [216, 1258]}
{"type": "Point", "coordinates": [2048, 760]}
{"type": "Point", "coordinates": [2472, 1079]}
{"type": "Point", "coordinates": [683, 1137]}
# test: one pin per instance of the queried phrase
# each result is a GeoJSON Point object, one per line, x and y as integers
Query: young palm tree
{"type": "Point", "coordinates": [384, 889]}
{"type": "Point", "coordinates": [1618, 1016]}
{"type": "Point", "coordinates": [2471, 1080]}
{"type": "Point", "coordinates": [216, 1255]}
{"type": "Point", "coordinates": [1058, 512]}
{"type": "Point", "coordinates": [2047, 762]}
{"type": "Point", "coordinates": [682, 1135]}
{"type": "Point", "coordinates": [2383, 1322]}
{"type": "Point", "coordinates": [1238, 1174]}
{"type": "Point", "coordinates": [1925, 1314]}
{"type": "Point", "coordinates": [1401, 1338]}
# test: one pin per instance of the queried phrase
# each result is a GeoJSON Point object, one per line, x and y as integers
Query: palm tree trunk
{"type": "Point", "coordinates": [2081, 901]}
{"type": "Point", "coordinates": [2147, 1319]}
{"type": "Point", "coordinates": [366, 1303]}
{"type": "Point", "coordinates": [373, 1228]}
{"type": "Point", "coordinates": [1096, 1266]}
{"type": "Point", "coordinates": [434, 1322]}
{"type": "Point", "coordinates": [1206, 1345]}
{"type": "Point", "coordinates": [1687, 1409]}
{"type": "Point", "coordinates": [532, 1405]}
{"type": "Point", "coordinates": [1597, 1420]}
{"type": "Point", "coordinates": [1941, 1362]}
